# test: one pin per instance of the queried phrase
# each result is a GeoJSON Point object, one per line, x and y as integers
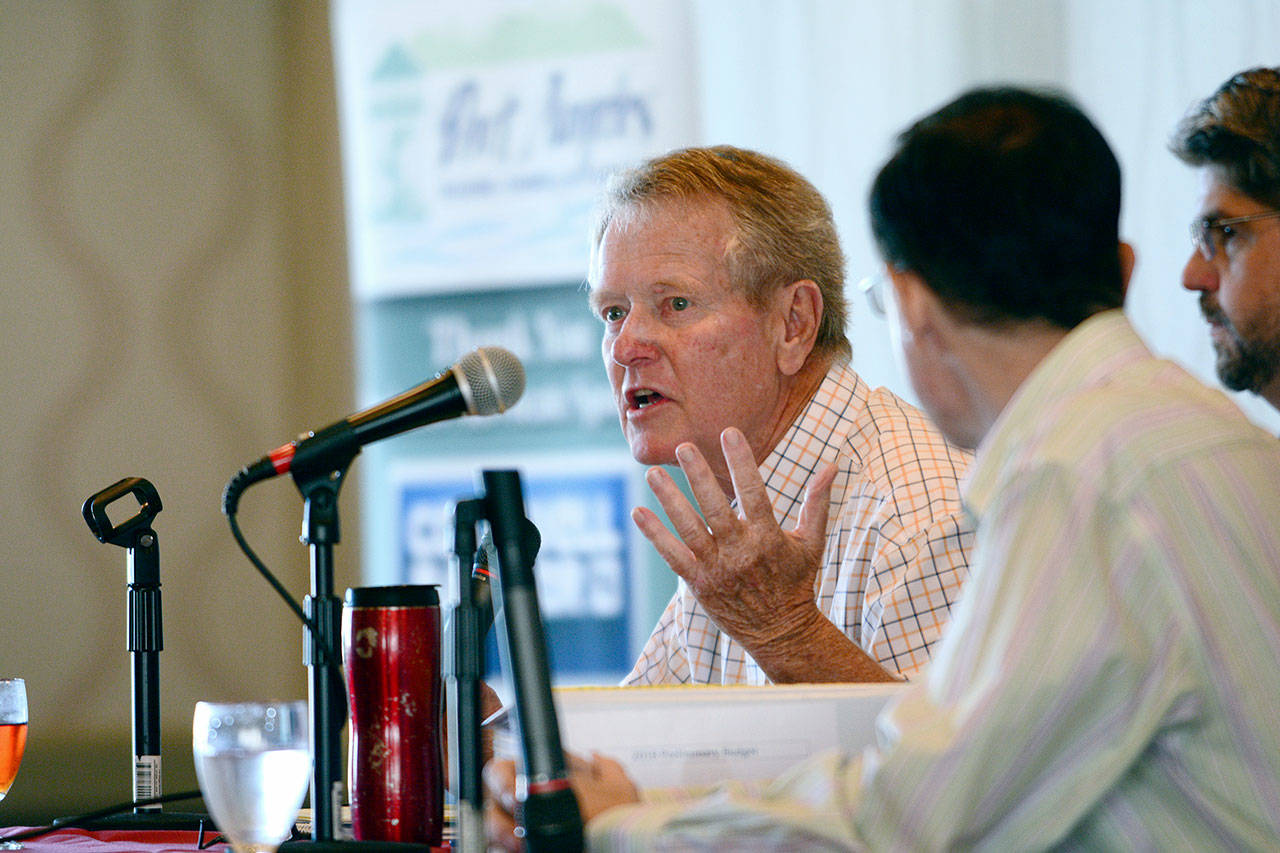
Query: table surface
{"type": "Point", "coordinates": [128, 841]}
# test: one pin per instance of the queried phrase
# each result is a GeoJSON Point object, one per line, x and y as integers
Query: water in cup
{"type": "Point", "coordinates": [254, 765]}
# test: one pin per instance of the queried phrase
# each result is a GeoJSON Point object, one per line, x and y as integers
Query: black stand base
{"type": "Point", "coordinates": [145, 820]}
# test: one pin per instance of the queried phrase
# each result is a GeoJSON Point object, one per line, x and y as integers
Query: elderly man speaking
{"type": "Point", "coordinates": [830, 543]}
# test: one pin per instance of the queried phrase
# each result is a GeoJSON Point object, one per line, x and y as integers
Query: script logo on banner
{"type": "Point", "coordinates": [477, 135]}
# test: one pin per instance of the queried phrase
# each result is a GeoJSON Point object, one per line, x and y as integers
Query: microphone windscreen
{"type": "Point", "coordinates": [493, 380]}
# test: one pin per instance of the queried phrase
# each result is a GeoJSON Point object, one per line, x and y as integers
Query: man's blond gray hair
{"type": "Point", "coordinates": [785, 230]}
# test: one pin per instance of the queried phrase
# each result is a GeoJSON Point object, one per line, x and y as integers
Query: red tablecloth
{"type": "Point", "coordinates": [113, 840]}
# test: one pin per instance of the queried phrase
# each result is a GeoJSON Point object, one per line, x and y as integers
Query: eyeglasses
{"type": "Point", "coordinates": [1209, 234]}
{"type": "Point", "coordinates": [873, 286]}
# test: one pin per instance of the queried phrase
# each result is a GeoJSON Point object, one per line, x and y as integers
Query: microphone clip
{"type": "Point", "coordinates": [130, 533]}
{"type": "Point", "coordinates": [325, 455]}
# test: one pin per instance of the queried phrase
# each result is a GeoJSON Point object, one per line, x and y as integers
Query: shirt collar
{"type": "Point", "coordinates": [1085, 358]}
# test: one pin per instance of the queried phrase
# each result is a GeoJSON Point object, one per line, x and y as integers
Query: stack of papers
{"type": "Point", "coordinates": [690, 736]}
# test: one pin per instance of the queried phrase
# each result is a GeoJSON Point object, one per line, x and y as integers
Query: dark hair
{"type": "Point", "coordinates": [785, 228]}
{"type": "Point", "coordinates": [1006, 202]}
{"type": "Point", "coordinates": [1237, 128]}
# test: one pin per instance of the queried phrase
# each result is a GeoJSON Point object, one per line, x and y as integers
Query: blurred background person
{"type": "Point", "coordinates": [1233, 138]}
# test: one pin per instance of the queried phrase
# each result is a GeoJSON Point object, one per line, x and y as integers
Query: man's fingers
{"type": "Point", "coordinates": [707, 491]}
{"type": "Point", "coordinates": [578, 763]}
{"type": "Point", "coordinates": [674, 552]}
{"type": "Point", "coordinates": [606, 767]}
{"type": "Point", "coordinates": [684, 518]}
{"type": "Point", "coordinates": [500, 782]}
{"type": "Point", "coordinates": [500, 829]}
{"type": "Point", "coordinates": [601, 783]}
{"type": "Point", "coordinates": [748, 485]}
{"type": "Point", "coordinates": [500, 804]}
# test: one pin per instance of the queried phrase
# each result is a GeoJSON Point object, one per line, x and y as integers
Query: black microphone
{"type": "Point", "coordinates": [545, 803]}
{"type": "Point", "coordinates": [486, 381]}
{"type": "Point", "coordinates": [481, 577]}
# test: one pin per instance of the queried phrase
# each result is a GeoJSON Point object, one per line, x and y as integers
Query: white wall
{"type": "Point", "coordinates": [826, 84]}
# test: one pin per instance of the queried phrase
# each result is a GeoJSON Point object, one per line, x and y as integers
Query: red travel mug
{"type": "Point", "coordinates": [391, 650]}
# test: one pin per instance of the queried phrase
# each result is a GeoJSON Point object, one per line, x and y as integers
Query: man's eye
{"type": "Point", "coordinates": [612, 314]}
{"type": "Point", "coordinates": [679, 303]}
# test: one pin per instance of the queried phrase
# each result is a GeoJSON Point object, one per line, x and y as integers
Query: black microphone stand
{"type": "Point", "coordinates": [318, 470]}
{"type": "Point", "coordinates": [327, 693]}
{"type": "Point", "coordinates": [145, 639]}
{"type": "Point", "coordinates": [145, 642]}
{"type": "Point", "coordinates": [464, 667]}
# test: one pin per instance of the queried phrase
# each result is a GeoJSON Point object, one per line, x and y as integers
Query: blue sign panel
{"type": "Point", "coordinates": [583, 570]}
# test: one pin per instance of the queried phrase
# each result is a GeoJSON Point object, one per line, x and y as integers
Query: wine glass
{"type": "Point", "coordinates": [13, 737]}
{"type": "Point", "coordinates": [253, 763]}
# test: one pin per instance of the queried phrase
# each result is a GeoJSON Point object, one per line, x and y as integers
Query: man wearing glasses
{"type": "Point", "coordinates": [1233, 136]}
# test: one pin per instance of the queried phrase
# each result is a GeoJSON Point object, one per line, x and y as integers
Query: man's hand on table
{"type": "Point", "coordinates": [490, 704]}
{"type": "Point", "coordinates": [599, 784]}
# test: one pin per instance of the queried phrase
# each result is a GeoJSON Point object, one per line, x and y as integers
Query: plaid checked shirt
{"type": "Point", "coordinates": [897, 539]}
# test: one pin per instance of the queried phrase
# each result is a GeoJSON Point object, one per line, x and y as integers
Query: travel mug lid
{"type": "Point", "coordinates": [406, 595]}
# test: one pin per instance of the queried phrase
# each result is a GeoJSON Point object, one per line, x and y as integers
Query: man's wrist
{"type": "Point", "coordinates": [811, 649]}
{"type": "Point", "coordinates": [791, 644]}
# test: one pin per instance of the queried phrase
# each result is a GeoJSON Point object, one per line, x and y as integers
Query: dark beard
{"type": "Point", "coordinates": [1242, 365]}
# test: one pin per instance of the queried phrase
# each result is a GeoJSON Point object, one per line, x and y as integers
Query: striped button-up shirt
{"type": "Point", "coordinates": [897, 538]}
{"type": "Point", "coordinates": [1109, 679]}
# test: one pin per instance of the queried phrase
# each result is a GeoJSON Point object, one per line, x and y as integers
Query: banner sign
{"type": "Point", "coordinates": [477, 135]}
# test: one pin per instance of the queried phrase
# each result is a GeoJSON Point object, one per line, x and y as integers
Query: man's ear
{"type": "Point", "coordinates": [1128, 260]}
{"type": "Point", "coordinates": [800, 310]}
{"type": "Point", "coordinates": [914, 303]}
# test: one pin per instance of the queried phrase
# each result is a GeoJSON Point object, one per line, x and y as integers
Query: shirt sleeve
{"type": "Point", "coordinates": [1047, 688]}
{"type": "Point", "coordinates": [791, 813]}
{"type": "Point", "coordinates": [663, 659]}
